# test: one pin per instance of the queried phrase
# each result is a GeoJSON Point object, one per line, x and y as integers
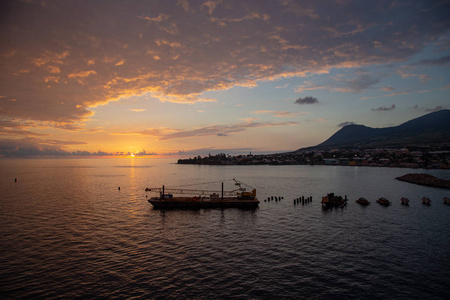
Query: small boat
{"type": "Point", "coordinates": [426, 201]}
{"type": "Point", "coordinates": [404, 201]}
{"type": "Point", "coordinates": [384, 201]}
{"type": "Point", "coordinates": [362, 201]}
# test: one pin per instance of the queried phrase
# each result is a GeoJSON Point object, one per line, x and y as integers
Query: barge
{"type": "Point", "coordinates": [239, 198]}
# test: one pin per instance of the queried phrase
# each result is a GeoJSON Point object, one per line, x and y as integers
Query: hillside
{"type": "Point", "coordinates": [428, 129]}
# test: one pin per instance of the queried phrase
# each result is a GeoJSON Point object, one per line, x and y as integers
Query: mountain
{"type": "Point", "coordinates": [428, 129]}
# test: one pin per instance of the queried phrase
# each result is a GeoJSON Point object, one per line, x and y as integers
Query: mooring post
{"type": "Point", "coordinates": [222, 190]}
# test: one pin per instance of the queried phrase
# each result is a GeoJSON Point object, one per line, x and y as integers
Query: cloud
{"type": "Point", "coordinates": [429, 109]}
{"type": "Point", "coordinates": [58, 68]}
{"type": "Point", "coordinates": [155, 132]}
{"type": "Point", "coordinates": [405, 72]}
{"type": "Point", "coordinates": [361, 83]}
{"type": "Point", "coordinates": [210, 5]}
{"type": "Point", "coordinates": [388, 89]}
{"type": "Point", "coordinates": [386, 96]}
{"type": "Point", "coordinates": [383, 108]}
{"type": "Point", "coordinates": [222, 130]}
{"type": "Point", "coordinates": [343, 124]}
{"type": "Point", "coordinates": [219, 130]}
{"type": "Point", "coordinates": [444, 60]}
{"type": "Point", "coordinates": [34, 147]}
{"type": "Point", "coordinates": [343, 83]}
{"type": "Point", "coordinates": [307, 100]}
{"type": "Point", "coordinates": [138, 109]}
{"type": "Point", "coordinates": [81, 74]}
{"type": "Point", "coordinates": [276, 113]}
{"type": "Point", "coordinates": [15, 132]}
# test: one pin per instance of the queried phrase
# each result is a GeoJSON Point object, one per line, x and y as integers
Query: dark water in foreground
{"type": "Point", "coordinates": [66, 232]}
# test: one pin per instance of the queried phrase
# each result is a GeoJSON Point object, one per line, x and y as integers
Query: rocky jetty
{"type": "Point", "coordinates": [425, 179]}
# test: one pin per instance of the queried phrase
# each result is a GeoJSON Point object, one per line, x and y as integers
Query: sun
{"type": "Point", "coordinates": [132, 154]}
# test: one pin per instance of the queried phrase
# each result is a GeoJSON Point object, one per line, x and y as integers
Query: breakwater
{"type": "Point", "coordinates": [425, 179]}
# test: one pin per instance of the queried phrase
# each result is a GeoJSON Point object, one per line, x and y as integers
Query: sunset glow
{"type": "Point", "coordinates": [186, 78]}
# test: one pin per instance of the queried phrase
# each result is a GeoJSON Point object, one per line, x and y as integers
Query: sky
{"type": "Point", "coordinates": [187, 78]}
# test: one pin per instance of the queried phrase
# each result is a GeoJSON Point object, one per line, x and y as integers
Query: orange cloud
{"type": "Point", "coordinates": [82, 74]}
{"type": "Point", "coordinates": [178, 52]}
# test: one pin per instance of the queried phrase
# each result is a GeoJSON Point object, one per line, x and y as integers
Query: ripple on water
{"type": "Point", "coordinates": [69, 233]}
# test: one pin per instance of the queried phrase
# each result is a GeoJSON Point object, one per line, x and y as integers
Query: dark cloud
{"type": "Point", "coordinates": [437, 108]}
{"type": "Point", "coordinates": [383, 108]}
{"type": "Point", "coordinates": [307, 100]}
{"type": "Point", "coordinates": [59, 60]}
{"type": "Point", "coordinates": [362, 83]}
{"type": "Point", "coordinates": [31, 146]}
{"type": "Point", "coordinates": [8, 131]}
{"type": "Point", "coordinates": [27, 147]}
{"type": "Point", "coordinates": [212, 130]}
{"type": "Point", "coordinates": [142, 153]}
{"type": "Point", "coordinates": [355, 82]}
{"type": "Point", "coordinates": [343, 124]}
{"type": "Point", "coordinates": [445, 60]}
{"type": "Point", "coordinates": [47, 147]}
{"type": "Point", "coordinates": [222, 130]}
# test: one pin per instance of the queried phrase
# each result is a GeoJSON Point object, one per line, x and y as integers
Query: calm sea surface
{"type": "Point", "coordinates": [67, 231]}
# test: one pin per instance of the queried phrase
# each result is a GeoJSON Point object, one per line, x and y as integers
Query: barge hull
{"type": "Point", "coordinates": [203, 203]}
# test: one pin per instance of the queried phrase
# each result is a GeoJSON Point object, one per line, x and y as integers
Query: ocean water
{"type": "Point", "coordinates": [68, 232]}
